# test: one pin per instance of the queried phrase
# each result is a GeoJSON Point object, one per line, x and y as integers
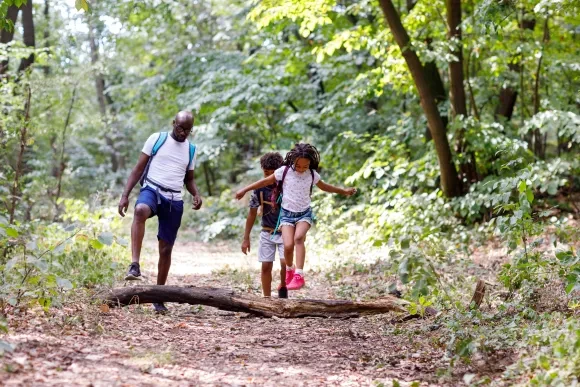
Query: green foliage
{"type": "Point", "coordinates": [42, 262]}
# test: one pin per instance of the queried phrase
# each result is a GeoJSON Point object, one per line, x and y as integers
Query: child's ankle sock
{"type": "Point", "coordinates": [289, 267]}
{"type": "Point", "coordinates": [300, 271]}
{"type": "Point", "coordinates": [266, 297]}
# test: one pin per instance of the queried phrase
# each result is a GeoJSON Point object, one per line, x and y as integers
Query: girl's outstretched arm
{"type": "Point", "coordinates": [259, 184]}
{"type": "Point", "coordinates": [332, 189]}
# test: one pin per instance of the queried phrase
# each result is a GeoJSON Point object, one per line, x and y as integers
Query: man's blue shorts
{"type": "Point", "coordinates": [168, 212]}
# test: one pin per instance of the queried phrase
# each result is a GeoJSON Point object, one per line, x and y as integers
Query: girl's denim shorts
{"type": "Point", "coordinates": [288, 218]}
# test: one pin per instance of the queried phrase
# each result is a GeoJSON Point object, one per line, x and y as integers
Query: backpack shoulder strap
{"type": "Point", "coordinates": [192, 148]}
{"type": "Point", "coordinates": [159, 143]}
{"type": "Point", "coordinates": [284, 174]}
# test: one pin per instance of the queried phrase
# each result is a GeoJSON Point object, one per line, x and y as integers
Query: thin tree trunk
{"type": "Point", "coordinates": [28, 34]}
{"type": "Point", "coordinates": [62, 164]}
{"type": "Point", "coordinates": [457, 90]}
{"type": "Point", "coordinates": [7, 36]}
{"type": "Point", "coordinates": [539, 142]}
{"type": "Point", "coordinates": [101, 98]}
{"type": "Point", "coordinates": [207, 178]}
{"type": "Point", "coordinates": [46, 34]}
{"type": "Point", "coordinates": [19, 163]}
{"type": "Point", "coordinates": [450, 183]}
{"type": "Point", "coordinates": [474, 108]}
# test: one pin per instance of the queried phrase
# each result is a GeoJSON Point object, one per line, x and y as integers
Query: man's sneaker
{"type": "Point", "coordinates": [134, 272]}
{"type": "Point", "coordinates": [158, 307]}
{"type": "Point", "coordinates": [282, 292]}
{"type": "Point", "coordinates": [289, 276]}
{"type": "Point", "coordinates": [296, 283]}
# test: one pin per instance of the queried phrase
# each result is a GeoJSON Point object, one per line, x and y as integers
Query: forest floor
{"type": "Point", "coordinates": [82, 344]}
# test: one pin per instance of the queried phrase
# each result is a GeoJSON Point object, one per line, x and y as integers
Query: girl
{"type": "Point", "coordinates": [297, 176]}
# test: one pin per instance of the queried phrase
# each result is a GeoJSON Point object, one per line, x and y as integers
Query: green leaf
{"type": "Point", "coordinates": [45, 302]}
{"type": "Point", "coordinates": [96, 244]}
{"type": "Point", "coordinates": [106, 238]}
{"type": "Point", "coordinates": [522, 187]}
{"type": "Point", "coordinates": [82, 4]}
{"type": "Point", "coordinates": [64, 283]}
{"type": "Point", "coordinates": [12, 232]}
{"type": "Point", "coordinates": [122, 241]}
{"type": "Point", "coordinates": [553, 188]}
{"type": "Point", "coordinates": [40, 264]}
{"type": "Point", "coordinates": [530, 195]}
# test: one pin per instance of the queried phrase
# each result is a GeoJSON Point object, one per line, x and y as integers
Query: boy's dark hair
{"type": "Point", "coordinates": [305, 151]}
{"type": "Point", "coordinates": [271, 160]}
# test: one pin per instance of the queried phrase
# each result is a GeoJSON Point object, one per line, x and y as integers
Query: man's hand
{"type": "Point", "coordinates": [240, 194]}
{"type": "Point", "coordinates": [246, 246]}
{"type": "Point", "coordinates": [197, 202]}
{"type": "Point", "coordinates": [123, 205]}
{"type": "Point", "coordinates": [349, 191]}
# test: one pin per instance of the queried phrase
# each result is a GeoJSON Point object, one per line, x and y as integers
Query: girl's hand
{"type": "Point", "coordinates": [240, 194]}
{"type": "Point", "coordinates": [349, 191]}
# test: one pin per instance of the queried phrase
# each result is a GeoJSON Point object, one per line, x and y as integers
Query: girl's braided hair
{"type": "Point", "coordinates": [303, 151]}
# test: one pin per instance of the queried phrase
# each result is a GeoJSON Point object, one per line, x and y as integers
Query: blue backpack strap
{"type": "Point", "coordinates": [159, 143]}
{"type": "Point", "coordinates": [192, 148]}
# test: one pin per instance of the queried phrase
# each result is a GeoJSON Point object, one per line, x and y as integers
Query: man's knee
{"type": "Point", "coordinates": [165, 250]}
{"type": "Point", "coordinates": [142, 212]}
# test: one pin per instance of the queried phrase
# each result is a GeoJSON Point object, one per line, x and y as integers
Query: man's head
{"type": "Point", "coordinates": [270, 162]}
{"type": "Point", "coordinates": [182, 125]}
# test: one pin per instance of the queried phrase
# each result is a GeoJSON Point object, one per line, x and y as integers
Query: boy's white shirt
{"type": "Point", "coordinates": [296, 188]}
{"type": "Point", "coordinates": [168, 165]}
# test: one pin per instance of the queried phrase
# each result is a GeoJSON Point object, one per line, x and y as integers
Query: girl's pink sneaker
{"type": "Point", "coordinates": [289, 276]}
{"type": "Point", "coordinates": [296, 283]}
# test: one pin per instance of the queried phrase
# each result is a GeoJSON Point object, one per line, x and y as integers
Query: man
{"type": "Point", "coordinates": [167, 162]}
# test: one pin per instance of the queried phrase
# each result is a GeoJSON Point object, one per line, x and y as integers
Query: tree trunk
{"type": "Point", "coordinates": [508, 95]}
{"type": "Point", "coordinates": [46, 33]}
{"type": "Point", "coordinates": [19, 164]}
{"type": "Point", "coordinates": [7, 36]}
{"type": "Point", "coordinates": [539, 141]}
{"type": "Point", "coordinates": [101, 98]}
{"type": "Point", "coordinates": [437, 88]}
{"type": "Point", "coordinates": [225, 299]}
{"type": "Point", "coordinates": [450, 183]}
{"type": "Point", "coordinates": [62, 163]}
{"type": "Point", "coordinates": [28, 34]}
{"type": "Point", "coordinates": [207, 178]}
{"type": "Point", "coordinates": [467, 167]}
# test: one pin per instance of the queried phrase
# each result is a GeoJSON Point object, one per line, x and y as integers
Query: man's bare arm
{"type": "Point", "coordinates": [132, 181]}
{"type": "Point", "coordinates": [192, 189]}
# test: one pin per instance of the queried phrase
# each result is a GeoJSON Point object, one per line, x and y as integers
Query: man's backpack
{"type": "Point", "coordinates": [158, 144]}
{"type": "Point", "coordinates": [277, 191]}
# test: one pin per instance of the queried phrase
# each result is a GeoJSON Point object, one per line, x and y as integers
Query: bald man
{"type": "Point", "coordinates": [166, 163]}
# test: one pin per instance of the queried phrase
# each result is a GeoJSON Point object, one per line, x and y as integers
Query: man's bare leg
{"type": "Point", "coordinates": [142, 213]}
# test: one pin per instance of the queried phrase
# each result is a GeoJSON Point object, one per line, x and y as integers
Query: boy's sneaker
{"type": "Point", "coordinates": [296, 283]}
{"type": "Point", "coordinates": [282, 292]}
{"type": "Point", "coordinates": [289, 276]}
{"type": "Point", "coordinates": [134, 272]}
{"type": "Point", "coordinates": [160, 308]}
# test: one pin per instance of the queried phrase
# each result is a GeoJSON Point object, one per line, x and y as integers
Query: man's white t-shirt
{"type": "Point", "coordinates": [168, 165]}
{"type": "Point", "coordinates": [296, 188]}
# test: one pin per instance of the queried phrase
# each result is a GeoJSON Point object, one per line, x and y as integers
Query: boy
{"type": "Point", "coordinates": [269, 241]}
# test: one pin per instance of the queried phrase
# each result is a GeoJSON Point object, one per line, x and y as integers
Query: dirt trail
{"type": "Point", "coordinates": [81, 345]}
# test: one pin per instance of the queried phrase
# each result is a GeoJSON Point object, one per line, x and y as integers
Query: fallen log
{"type": "Point", "coordinates": [226, 299]}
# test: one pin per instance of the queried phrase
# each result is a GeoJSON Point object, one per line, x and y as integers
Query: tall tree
{"type": "Point", "coordinates": [450, 183]}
